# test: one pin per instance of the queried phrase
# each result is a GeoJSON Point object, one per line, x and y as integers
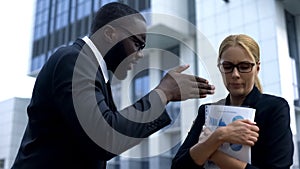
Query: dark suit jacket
{"type": "Point", "coordinates": [274, 148]}
{"type": "Point", "coordinates": [69, 102]}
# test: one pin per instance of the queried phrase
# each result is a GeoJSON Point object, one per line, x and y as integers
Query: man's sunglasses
{"type": "Point", "coordinates": [140, 44]}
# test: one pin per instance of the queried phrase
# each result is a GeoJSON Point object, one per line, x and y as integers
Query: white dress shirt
{"type": "Point", "coordinates": [98, 57]}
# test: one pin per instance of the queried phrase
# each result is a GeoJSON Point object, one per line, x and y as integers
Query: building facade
{"type": "Point", "coordinates": [183, 32]}
{"type": "Point", "coordinates": [12, 126]}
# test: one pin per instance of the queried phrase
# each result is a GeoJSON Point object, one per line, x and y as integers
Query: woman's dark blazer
{"type": "Point", "coordinates": [274, 148]}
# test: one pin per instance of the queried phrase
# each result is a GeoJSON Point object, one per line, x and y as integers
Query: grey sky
{"type": "Point", "coordinates": [16, 37]}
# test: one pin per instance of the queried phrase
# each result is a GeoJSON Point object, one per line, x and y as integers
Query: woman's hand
{"type": "Point", "coordinates": [239, 132]}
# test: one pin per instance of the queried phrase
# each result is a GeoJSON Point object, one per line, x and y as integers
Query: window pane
{"type": "Point", "coordinates": [140, 85]}
{"type": "Point", "coordinates": [103, 2]}
{"type": "Point", "coordinates": [2, 164]}
{"type": "Point", "coordinates": [131, 3]}
{"type": "Point", "coordinates": [143, 5]}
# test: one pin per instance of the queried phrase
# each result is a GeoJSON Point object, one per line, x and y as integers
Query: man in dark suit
{"type": "Point", "coordinates": [73, 121]}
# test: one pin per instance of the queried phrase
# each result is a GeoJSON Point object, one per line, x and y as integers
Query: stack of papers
{"type": "Point", "coordinates": [219, 115]}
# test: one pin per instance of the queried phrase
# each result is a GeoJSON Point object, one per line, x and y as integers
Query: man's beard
{"type": "Point", "coordinates": [114, 61]}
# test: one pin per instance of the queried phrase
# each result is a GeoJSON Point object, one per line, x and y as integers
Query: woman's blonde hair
{"type": "Point", "coordinates": [247, 43]}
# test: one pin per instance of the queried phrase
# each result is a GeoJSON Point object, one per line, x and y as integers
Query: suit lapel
{"type": "Point", "coordinates": [100, 77]}
{"type": "Point", "coordinates": [110, 99]}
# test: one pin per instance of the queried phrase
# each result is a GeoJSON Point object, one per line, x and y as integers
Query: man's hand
{"type": "Point", "coordinates": [178, 86]}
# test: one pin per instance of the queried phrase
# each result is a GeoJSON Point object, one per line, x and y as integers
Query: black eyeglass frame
{"type": "Point", "coordinates": [238, 66]}
{"type": "Point", "coordinates": [141, 44]}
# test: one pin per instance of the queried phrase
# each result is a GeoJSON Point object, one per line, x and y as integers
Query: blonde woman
{"type": "Point", "coordinates": [269, 136]}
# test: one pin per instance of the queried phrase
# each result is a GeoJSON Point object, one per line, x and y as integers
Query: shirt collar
{"type": "Point", "coordinates": [98, 56]}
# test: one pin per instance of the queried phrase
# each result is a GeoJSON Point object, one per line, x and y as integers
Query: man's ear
{"type": "Point", "coordinates": [109, 33]}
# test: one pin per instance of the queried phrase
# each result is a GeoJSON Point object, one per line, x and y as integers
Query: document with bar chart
{"type": "Point", "coordinates": [220, 115]}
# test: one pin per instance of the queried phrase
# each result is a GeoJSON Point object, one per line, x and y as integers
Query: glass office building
{"type": "Point", "coordinates": [12, 123]}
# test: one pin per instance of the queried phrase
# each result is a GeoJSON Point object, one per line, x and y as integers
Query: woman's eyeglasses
{"type": "Point", "coordinates": [242, 67]}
